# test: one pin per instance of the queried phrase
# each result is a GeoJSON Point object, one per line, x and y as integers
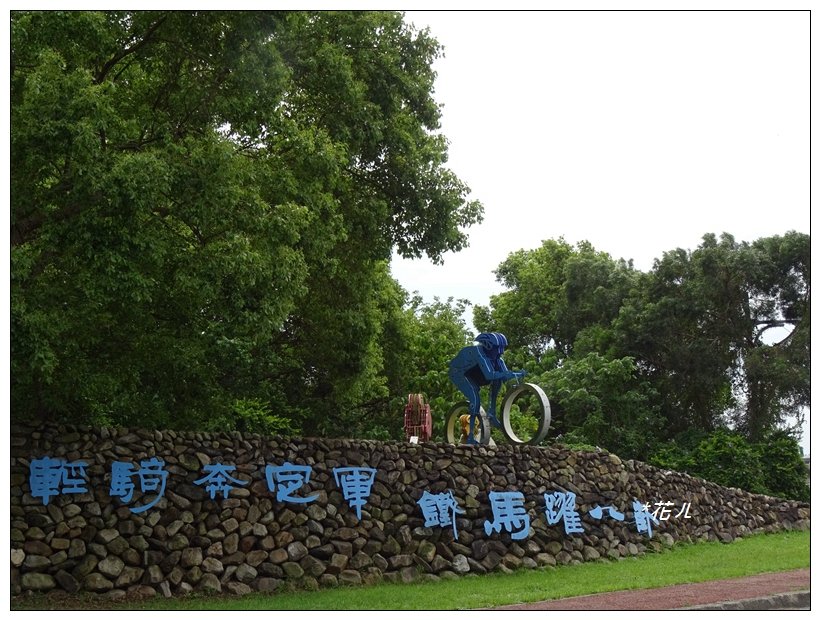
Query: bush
{"type": "Point", "coordinates": [729, 460]}
{"type": "Point", "coordinates": [784, 472]}
{"type": "Point", "coordinates": [772, 467]}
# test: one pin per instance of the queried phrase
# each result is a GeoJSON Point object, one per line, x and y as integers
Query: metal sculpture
{"type": "Point", "coordinates": [417, 419]}
{"type": "Point", "coordinates": [479, 365]}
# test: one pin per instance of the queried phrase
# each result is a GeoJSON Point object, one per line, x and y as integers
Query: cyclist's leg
{"type": "Point", "coordinates": [471, 391]}
{"type": "Point", "coordinates": [495, 388]}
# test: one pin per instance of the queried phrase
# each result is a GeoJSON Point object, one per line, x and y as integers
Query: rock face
{"type": "Point", "coordinates": [226, 522]}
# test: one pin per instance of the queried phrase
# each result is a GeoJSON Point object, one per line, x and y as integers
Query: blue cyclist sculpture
{"type": "Point", "coordinates": [481, 364]}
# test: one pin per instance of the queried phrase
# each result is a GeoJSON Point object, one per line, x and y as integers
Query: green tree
{"type": "Point", "coordinates": [602, 402]}
{"type": "Point", "coordinates": [690, 342]}
{"type": "Point", "coordinates": [560, 299]}
{"type": "Point", "coordinates": [436, 332]}
{"type": "Point", "coordinates": [203, 204]}
{"type": "Point", "coordinates": [696, 329]}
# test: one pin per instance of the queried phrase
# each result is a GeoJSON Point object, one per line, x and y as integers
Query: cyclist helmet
{"type": "Point", "coordinates": [493, 340]}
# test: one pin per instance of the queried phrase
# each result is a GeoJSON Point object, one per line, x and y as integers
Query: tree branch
{"type": "Point", "coordinates": [101, 75]}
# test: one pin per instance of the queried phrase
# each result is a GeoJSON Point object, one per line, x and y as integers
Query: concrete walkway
{"type": "Point", "coordinates": [787, 590]}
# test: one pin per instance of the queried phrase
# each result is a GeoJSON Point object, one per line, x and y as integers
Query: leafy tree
{"type": "Point", "coordinates": [203, 204]}
{"type": "Point", "coordinates": [559, 298]}
{"type": "Point", "coordinates": [696, 329]}
{"type": "Point", "coordinates": [686, 346]}
{"type": "Point", "coordinates": [435, 333]}
{"type": "Point", "coordinates": [602, 402]}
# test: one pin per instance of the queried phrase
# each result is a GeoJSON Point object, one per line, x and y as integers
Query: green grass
{"type": "Point", "coordinates": [682, 564]}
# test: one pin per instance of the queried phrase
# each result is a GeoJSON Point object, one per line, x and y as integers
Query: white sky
{"type": "Point", "coordinates": [637, 131]}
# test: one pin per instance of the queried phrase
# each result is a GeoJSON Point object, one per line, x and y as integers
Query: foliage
{"type": "Point", "coordinates": [773, 466]}
{"type": "Point", "coordinates": [202, 208]}
{"type": "Point", "coordinates": [435, 333]}
{"type": "Point", "coordinates": [699, 329]}
{"type": "Point", "coordinates": [784, 472]}
{"type": "Point", "coordinates": [709, 337]}
{"type": "Point", "coordinates": [252, 416]}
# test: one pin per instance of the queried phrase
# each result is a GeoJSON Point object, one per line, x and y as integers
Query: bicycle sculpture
{"type": "Point", "coordinates": [524, 410]}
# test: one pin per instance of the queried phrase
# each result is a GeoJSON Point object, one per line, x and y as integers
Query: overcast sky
{"type": "Point", "coordinates": [637, 131]}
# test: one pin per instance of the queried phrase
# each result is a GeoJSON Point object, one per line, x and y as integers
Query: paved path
{"type": "Point", "coordinates": [766, 588]}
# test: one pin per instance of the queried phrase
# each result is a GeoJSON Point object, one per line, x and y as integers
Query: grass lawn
{"type": "Point", "coordinates": [682, 564]}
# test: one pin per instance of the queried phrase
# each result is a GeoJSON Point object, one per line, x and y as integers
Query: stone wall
{"type": "Point", "coordinates": [249, 540]}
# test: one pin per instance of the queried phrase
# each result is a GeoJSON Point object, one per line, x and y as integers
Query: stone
{"type": "Point", "coordinates": [67, 581]}
{"type": "Point", "coordinates": [129, 576]}
{"type": "Point", "coordinates": [209, 583]}
{"type": "Point", "coordinates": [460, 564]}
{"type": "Point", "coordinates": [277, 556]}
{"type": "Point", "coordinates": [409, 574]}
{"type": "Point", "coordinates": [87, 564]}
{"type": "Point", "coordinates": [480, 549]}
{"type": "Point", "coordinates": [256, 557]}
{"type": "Point", "coordinates": [312, 566]}
{"type": "Point", "coordinates": [296, 551]}
{"type": "Point", "coordinates": [117, 546]}
{"type": "Point", "coordinates": [37, 581]}
{"type": "Point", "coordinates": [95, 582]}
{"type": "Point", "coordinates": [349, 577]}
{"type": "Point", "coordinates": [246, 573]}
{"type": "Point", "coordinates": [35, 562]}
{"type": "Point", "coordinates": [238, 588]}
{"type": "Point", "coordinates": [426, 550]}
{"type": "Point", "coordinates": [399, 561]}
{"type": "Point", "coordinates": [193, 574]}
{"type": "Point", "coordinates": [268, 584]}
{"type": "Point", "coordinates": [491, 560]}
{"type": "Point", "coordinates": [212, 565]}
{"type": "Point", "coordinates": [106, 536]}
{"type": "Point", "coordinates": [338, 562]}
{"type": "Point", "coordinates": [231, 544]}
{"type": "Point", "coordinates": [391, 547]}
{"type": "Point", "coordinates": [37, 547]}
{"type": "Point", "coordinates": [155, 575]}
{"type": "Point", "coordinates": [111, 566]}
{"type": "Point", "coordinates": [590, 554]}
{"type": "Point", "coordinates": [178, 542]}
{"type": "Point", "coordinates": [360, 560]}
{"type": "Point", "coordinates": [293, 570]}
{"type": "Point", "coordinates": [192, 556]}
{"type": "Point", "coordinates": [17, 557]}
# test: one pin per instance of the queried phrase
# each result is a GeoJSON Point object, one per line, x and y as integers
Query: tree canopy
{"type": "Point", "coordinates": [692, 340]}
{"type": "Point", "coordinates": [203, 205]}
{"type": "Point", "coordinates": [203, 210]}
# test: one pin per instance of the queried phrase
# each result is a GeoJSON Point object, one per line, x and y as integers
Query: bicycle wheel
{"type": "Point", "coordinates": [452, 425]}
{"type": "Point", "coordinates": [525, 415]}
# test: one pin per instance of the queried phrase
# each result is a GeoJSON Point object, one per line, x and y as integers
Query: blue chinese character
{"type": "Point", "coordinates": [562, 506]}
{"type": "Point", "coordinates": [598, 512]}
{"type": "Point", "coordinates": [152, 479]}
{"type": "Point", "coordinates": [49, 477]}
{"type": "Point", "coordinates": [355, 483]}
{"type": "Point", "coordinates": [440, 509]}
{"type": "Point", "coordinates": [290, 478]}
{"type": "Point", "coordinates": [643, 518]}
{"type": "Point", "coordinates": [508, 513]}
{"type": "Point", "coordinates": [219, 479]}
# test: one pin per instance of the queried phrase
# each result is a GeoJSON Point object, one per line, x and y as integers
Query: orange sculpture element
{"type": "Point", "coordinates": [417, 419]}
{"type": "Point", "coordinates": [465, 427]}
